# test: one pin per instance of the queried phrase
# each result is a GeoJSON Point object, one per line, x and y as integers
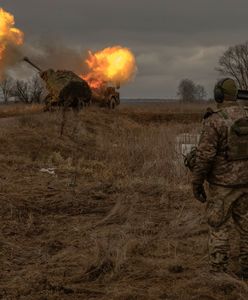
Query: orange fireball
{"type": "Point", "coordinates": [115, 64]}
{"type": "Point", "coordinates": [9, 34]}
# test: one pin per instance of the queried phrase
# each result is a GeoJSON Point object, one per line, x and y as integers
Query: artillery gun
{"type": "Point", "coordinates": [69, 90]}
{"type": "Point", "coordinates": [65, 88]}
{"type": "Point", "coordinates": [106, 96]}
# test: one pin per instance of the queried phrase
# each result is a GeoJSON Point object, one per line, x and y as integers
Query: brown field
{"type": "Point", "coordinates": [116, 220]}
{"type": "Point", "coordinates": [8, 110]}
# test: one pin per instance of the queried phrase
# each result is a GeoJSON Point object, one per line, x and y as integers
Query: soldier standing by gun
{"type": "Point", "coordinates": [222, 160]}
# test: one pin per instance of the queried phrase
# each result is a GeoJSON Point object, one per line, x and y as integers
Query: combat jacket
{"type": "Point", "coordinates": [211, 162]}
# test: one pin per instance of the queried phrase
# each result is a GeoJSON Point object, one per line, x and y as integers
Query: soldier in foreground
{"type": "Point", "coordinates": [222, 160]}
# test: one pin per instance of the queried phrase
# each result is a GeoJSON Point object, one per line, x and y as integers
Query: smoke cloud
{"type": "Point", "coordinates": [48, 55]}
{"type": "Point", "coordinates": [13, 57]}
{"type": "Point", "coordinates": [11, 39]}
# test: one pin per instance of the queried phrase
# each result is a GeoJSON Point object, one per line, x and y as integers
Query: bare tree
{"type": "Point", "coordinates": [30, 91]}
{"type": "Point", "coordinates": [36, 89]}
{"type": "Point", "coordinates": [234, 62]}
{"type": "Point", "coordinates": [200, 92]}
{"type": "Point", "coordinates": [189, 91]}
{"type": "Point", "coordinates": [7, 86]}
{"type": "Point", "coordinates": [186, 90]}
{"type": "Point", "coordinates": [22, 91]}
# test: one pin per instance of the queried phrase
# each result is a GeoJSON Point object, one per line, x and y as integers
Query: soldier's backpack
{"type": "Point", "coordinates": [237, 137]}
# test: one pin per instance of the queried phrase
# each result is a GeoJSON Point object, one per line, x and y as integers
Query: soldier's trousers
{"type": "Point", "coordinates": [227, 207]}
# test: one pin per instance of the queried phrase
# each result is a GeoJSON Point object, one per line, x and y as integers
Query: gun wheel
{"type": "Point", "coordinates": [112, 103]}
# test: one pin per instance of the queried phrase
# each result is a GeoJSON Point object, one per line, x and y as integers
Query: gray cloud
{"type": "Point", "coordinates": [172, 39]}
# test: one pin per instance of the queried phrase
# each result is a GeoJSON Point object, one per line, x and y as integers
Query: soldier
{"type": "Point", "coordinates": [222, 160]}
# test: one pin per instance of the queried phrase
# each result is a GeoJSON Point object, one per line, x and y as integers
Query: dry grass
{"type": "Point", "coordinates": [170, 107]}
{"type": "Point", "coordinates": [116, 221]}
{"type": "Point", "coordinates": [9, 110]}
{"type": "Point", "coordinates": [186, 113]}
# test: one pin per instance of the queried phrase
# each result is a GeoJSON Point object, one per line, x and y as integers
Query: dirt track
{"type": "Point", "coordinates": [115, 221]}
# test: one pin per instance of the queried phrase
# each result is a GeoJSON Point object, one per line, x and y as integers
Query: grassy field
{"type": "Point", "coordinates": [104, 211]}
{"type": "Point", "coordinates": [10, 110]}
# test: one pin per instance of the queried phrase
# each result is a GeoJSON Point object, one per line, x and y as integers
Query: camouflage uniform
{"type": "Point", "coordinates": [228, 185]}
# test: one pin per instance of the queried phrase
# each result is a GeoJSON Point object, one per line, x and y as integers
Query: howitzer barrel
{"type": "Point", "coordinates": [26, 59]}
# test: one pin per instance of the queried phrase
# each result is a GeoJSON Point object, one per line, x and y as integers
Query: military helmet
{"type": "Point", "coordinates": [225, 89]}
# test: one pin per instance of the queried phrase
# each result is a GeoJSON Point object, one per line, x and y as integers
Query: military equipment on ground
{"type": "Point", "coordinates": [65, 88]}
{"type": "Point", "coordinates": [106, 96]}
{"type": "Point", "coordinates": [68, 89]}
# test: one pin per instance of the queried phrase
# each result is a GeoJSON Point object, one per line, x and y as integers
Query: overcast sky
{"type": "Point", "coordinates": [171, 39]}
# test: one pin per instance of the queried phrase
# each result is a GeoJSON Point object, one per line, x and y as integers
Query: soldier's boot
{"type": "Point", "coordinates": [243, 273]}
{"type": "Point", "coordinates": [218, 262]}
{"type": "Point", "coordinates": [243, 256]}
{"type": "Point", "coordinates": [219, 248]}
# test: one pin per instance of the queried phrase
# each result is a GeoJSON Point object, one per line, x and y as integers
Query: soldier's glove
{"type": "Point", "coordinates": [199, 192]}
